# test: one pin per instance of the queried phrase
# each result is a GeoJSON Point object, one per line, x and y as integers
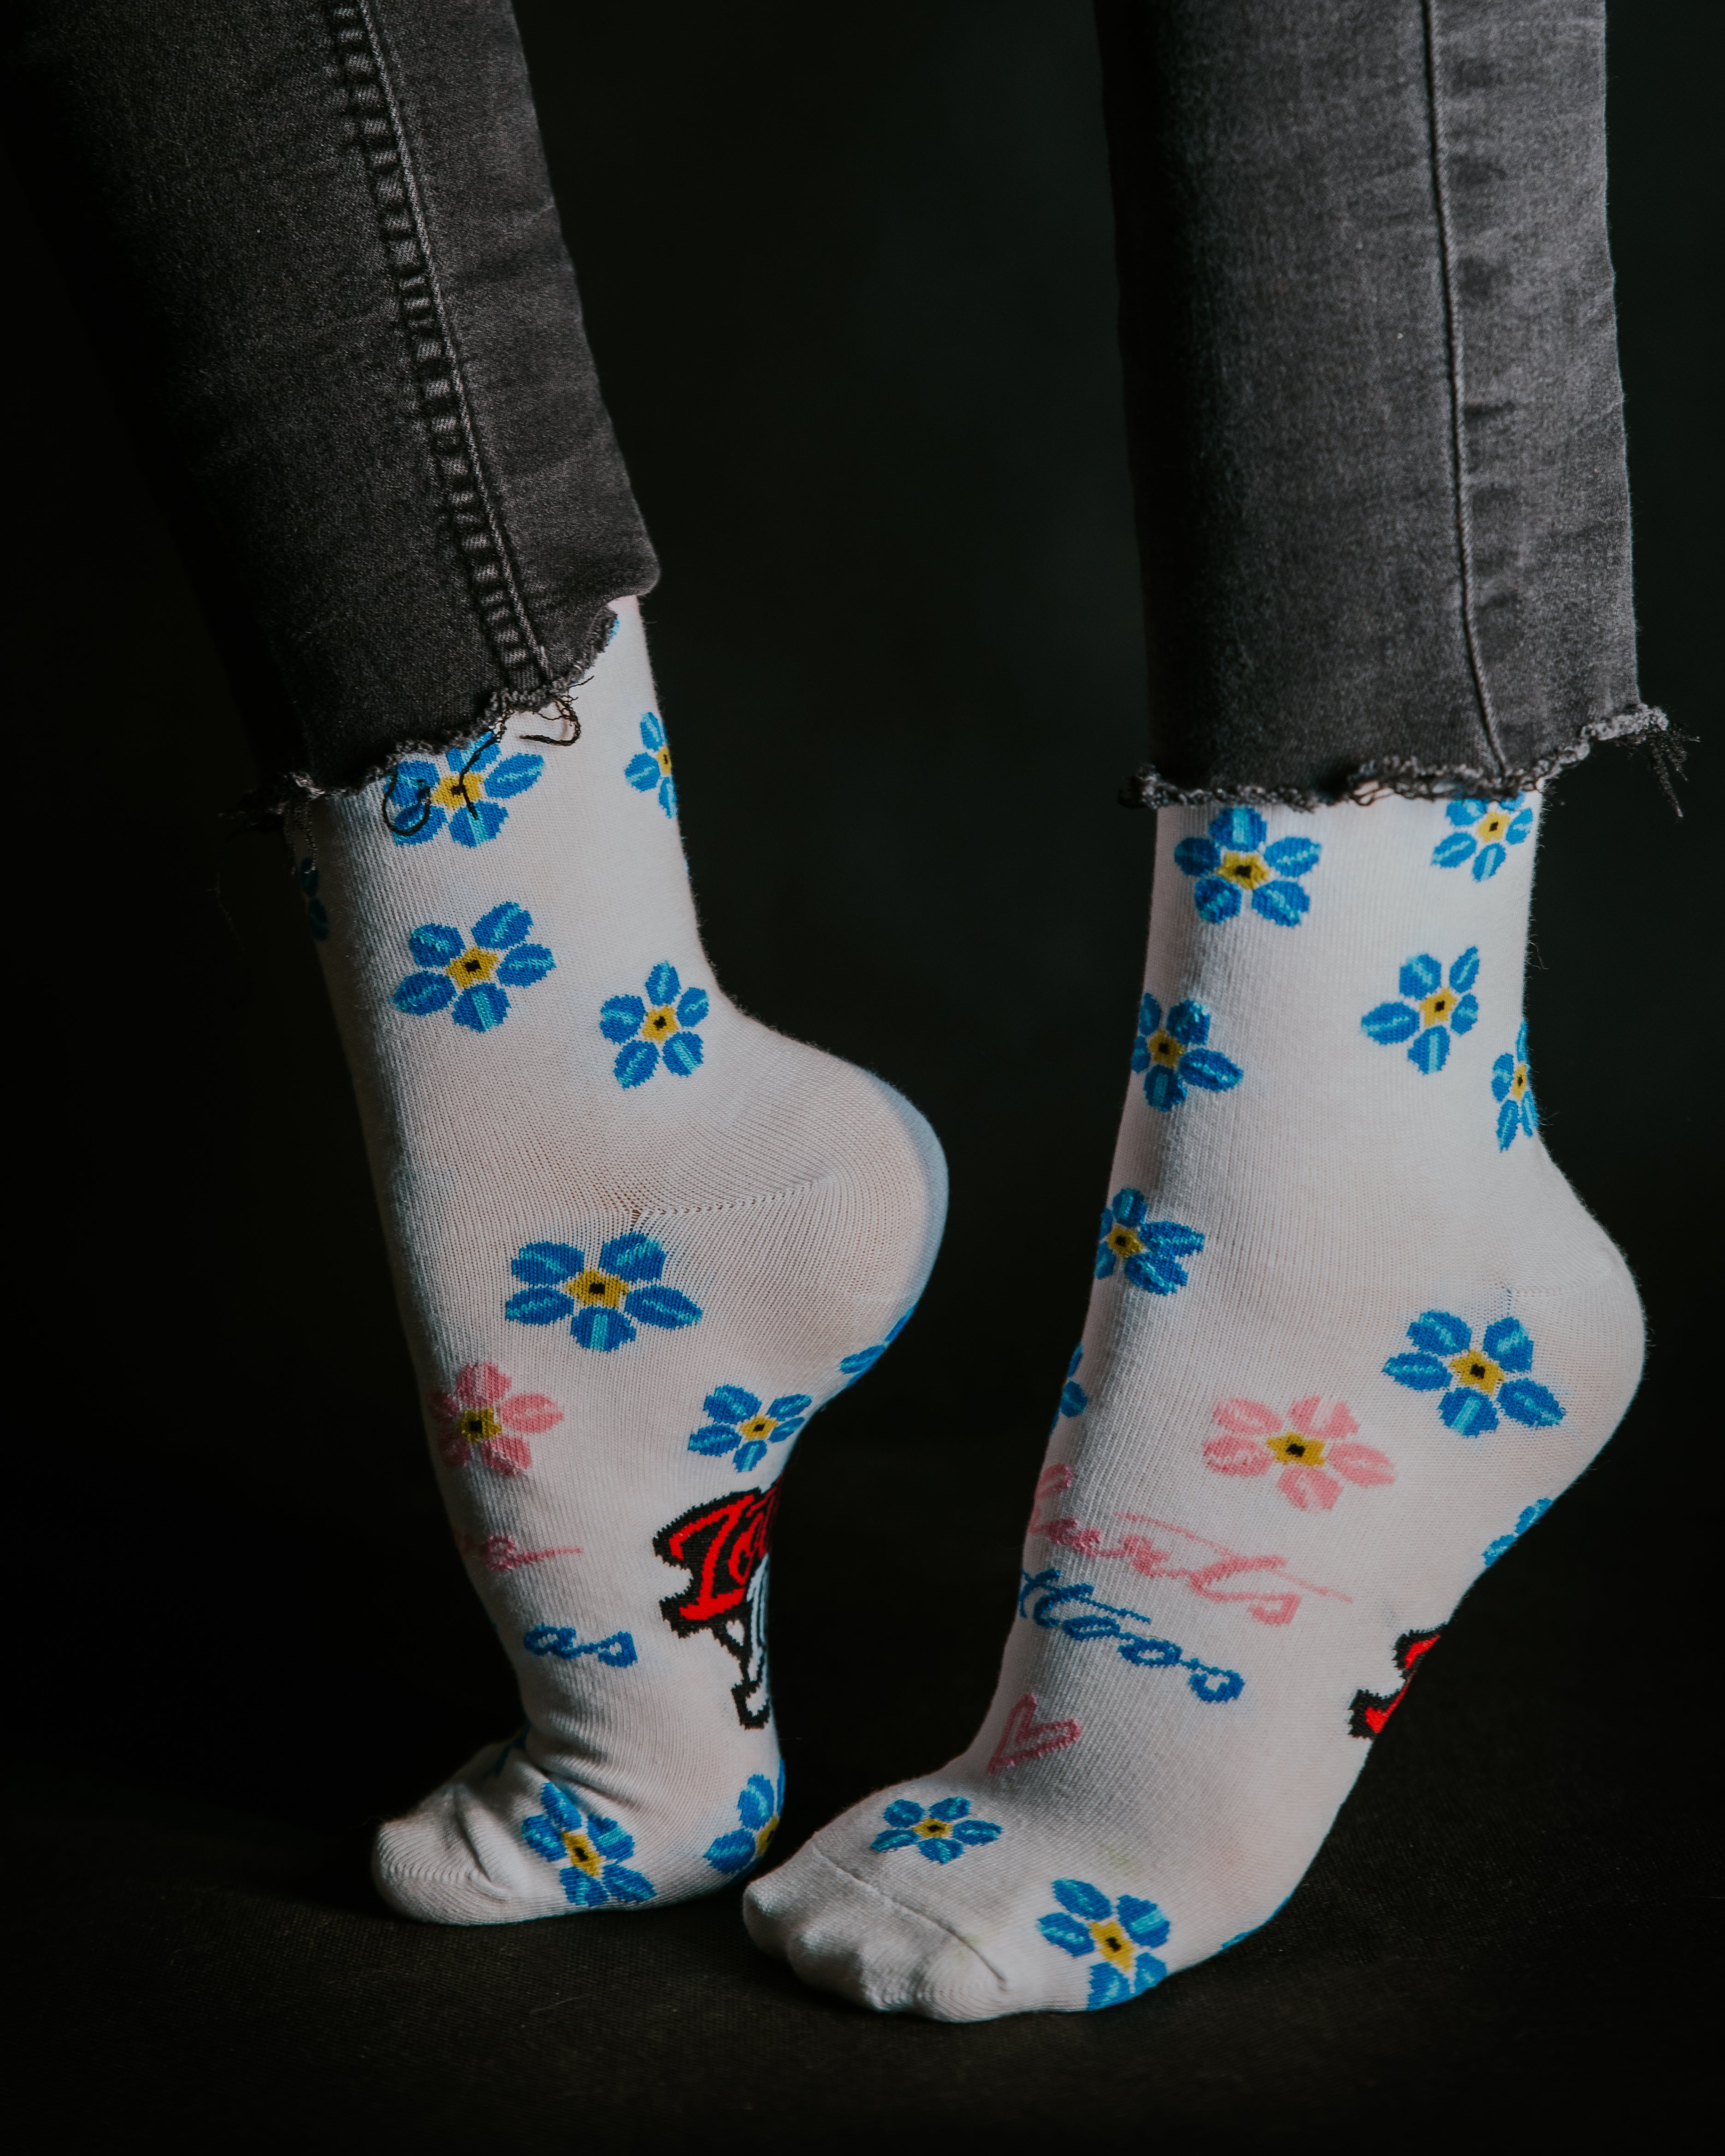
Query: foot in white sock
{"type": "Point", "coordinates": [1351, 1332]}
{"type": "Point", "coordinates": [639, 1240]}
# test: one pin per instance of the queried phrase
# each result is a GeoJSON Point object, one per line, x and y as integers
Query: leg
{"type": "Point", "coordinates": [1350, 1332]}
{"type": "Point", "coordinates": [638, 1238]}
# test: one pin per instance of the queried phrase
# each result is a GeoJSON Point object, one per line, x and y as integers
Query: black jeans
{"type": "Point", "coordinates": [1372, 400]}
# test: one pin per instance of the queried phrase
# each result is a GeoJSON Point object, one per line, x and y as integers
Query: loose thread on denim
{"type": "Point", "coordinates": [566, 711]}
{"type": "Point", "coordinates": [1455, 354]}
{"type": "Point", "coordinates": [1667, 752]}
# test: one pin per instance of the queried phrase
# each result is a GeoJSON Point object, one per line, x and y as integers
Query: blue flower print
{"type": "Point", "coordinates": [1074, 1398]}
{"type": "Point", "coordinates": [1173, 1055]}
{"type": "Point", "coordinates": [758, 1806]}
{"type": "Point", "coordinates": [591, 1852]}
{"type": "Point", "coordinates": [742, 1426]}
{"type": "Point", "coordinates": [1483, 829]}
{"type": "Point", "coordinates": [1514, 1095]}
{"type": "Point", "coordinates": [1434, 1009]}
{"type": "Point", "coordinates": [652, 767]}
{"type": "Point", "coordinates": [317, 919]}
{"type": "Point", "coordinates": [1235, 859]}
{"type": "Point", "coordinates": [1122, 1932]}
{"type": "Point", "coordinates": [419, 800]}
{"type": "Point", "coordinates": [865, 1358]}
{"type": "Point", "coordinates": [1477, 1383]}
{"type": "Point", "coordinates": [1528, 1515]}
{"type": "Point", "coordinates": [657, 1028]}
{"type": "Point", "coordinates": [1149, 1249]}
{"type": "Point", "coordinates": [941, 1833]}
{"type": "Point", "coordinates": [605, 1302]}
{"type": "Point", "coordinates": [474, 977]}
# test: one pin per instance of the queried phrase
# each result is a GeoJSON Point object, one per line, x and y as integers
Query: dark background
{"type": "Point", "coordinates": [848, 275]}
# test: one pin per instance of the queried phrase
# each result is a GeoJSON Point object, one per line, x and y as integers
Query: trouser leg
{"type": "Point", "coordinates": [318, 243]}
{"type": "Point", "coordinates": [1374, 412]}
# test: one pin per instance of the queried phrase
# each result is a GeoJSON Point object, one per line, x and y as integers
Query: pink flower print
{"type": "Point", "coordinates": [1310, 1441]}
{"type": "Point", "coordinates": [484, 1419]}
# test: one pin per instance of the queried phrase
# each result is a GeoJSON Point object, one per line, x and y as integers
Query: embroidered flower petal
{"type": "Point", "coordinates": [683, 1053]}
{"type": "Point", "coordinates": [750, 1454]}
{"type": "Point", "coordinates": [901, 1812]}
{"type": "Point", "coordinates": [642, 772]}
{"type": "Point", "coordinates": [635, 1063]}
{"type": "Point", "coordinates": [715, 1438]}
{"type": "Point", "coordinates": [1189, 1023]}
{"type": "Point", "coordinates": [1420, 975]}
{"type": "Point", "coordinates": [1507, 1342]}
{"type": "Point", "coordinates": [1309, 1488]}
{"type": "Point", "coordinates": [1430, 1052]}
{"type": "Point", "coordinates": [692, 1007]}
{"type": "Point", "coordinates": [1293, 856]}
{"type": "Point", "coordinates": [1362, 1464]}
{"type": "Point", "coordinates": [435, 945]}
{"type": "Point", "coordinates": [530, 1413]}
{"type": "Point", "coordinates": [1216, 899]}
{"type": "Point", "coordinates": [731, 1403]}
{"type": "Point", "coordinates": [1509, 1121]}
{"type": "Point", "coordinates": [1440, 1333]}
{"type": "Point", "coordinates": [652, 732]}
{"type": "Point", "coordinates": [1250, 1417]}
{"type": "Point", "coordinates": [505, 925]}
{"type": "Point", "coordinates": [1243, 830]}
{"type": "Point", "coordinates": [731, 1852]}
{"type": "Point", "coordinates": [545, 1263]}
{"type": "Point", "coordinates": [633, 1257]}
{"type": "Point", "coordinates": [893, 1838]}
{"type": "Point", "coordinates": [543, 1837]}
{"type": "Point", "coordinates": [1169, 1236]}
{"type": "Point", "coordinates": [662, 1306]}
{"type": "Point", "coordinates": [422, 994]}
{"type": "Point", "coordinates": [1466, 1016]}
{"type": "Point", "coordinates": [1520, 824]}
{"type": "Point", "coordinates": [538, 1305]}
{"type": "Point", "coordinates": [663, 984]}
{"type": "Point", "coordinates": [758, 1801]}
{"type": "Point", "coordinates": [1078, 1895]}
{"type": "Point", "coordinates": [1305, 1416]}
{"type": "Point", "coordinates": [1451, 852]}
{"type": "Point", "coordinates": [1425, 1373]}
{"type": "Point", "coordinates": [1065, 1933]}
{"type": "Point", "coordinates": [1164, 1089]}
{"type": "Point", "coordinates": [1155, 1273]}
{"type": "Point", "coordinates": [1469, 1413]}
{"type": "Point", "coordinates": [482, 1010]}
{"type": "Point", "coordinates": [620, 1017]}
{"type": "Point", "coordinates": [1283, 903]}
{"type": "Point", "coordinates": [1465, 971]}
{"type": "Point", "coordinates": [506, 1455]}
{"type": "Point", "coordinates": [1142, 1921]}
{"type": "Point", "coordinates": [1467, 812]}
{"type": "Point", "coordinates": [975, 1833]}
{"type": "Point", "coordinates": [527, 963]}
{"type": "Point", "coordinates": [584, 1893]}
{"type": "Point", "coordinates": [514, 775]}
{"type": "Point", "coordinates": [1203, 1066]}
{"type": "Point", "coordinates": [936, 1851]}
{"type": "Point", "coordinates": [1149, 1013]}
{"type": "Point", "coordinates": [1491, 858]}
{"type": "Point", "coordinates": [1524, 1401]}
{"type": "Point", "coordinates": [788, 1404]}
{"type": "Point", "coordinates": [1391, 1022]}
{"type": "Point", "coordinates": [563, 1814]}
{"type": "Point", "coordinates": [622, 1885]}
{"type": "Point", "coordinates": [1107, 1988]}
{"type": "Point", "coordinates": [480, 1385]}
{"type": "Point", "coordinates": [601, 1329]}
{"type": "Point", "coordinates": [668, 797]}
{"type": "Point", "coordinates": [950, 1809]}
{"type": "Point", "coordinates": [1193, 857]}
{"type": "Point", "coordinates": [477, 822]}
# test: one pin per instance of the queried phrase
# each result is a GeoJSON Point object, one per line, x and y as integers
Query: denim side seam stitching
{"type": "Point", "coordinates": [1456, 368]}
{"type": "Point", "coordinates": [441, 392]}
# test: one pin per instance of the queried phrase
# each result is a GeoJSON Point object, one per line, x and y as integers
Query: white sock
{"type": "Point", "coordinates": [1350, 1331]}
{"type": "Point", "coordinates": [639, 1240]}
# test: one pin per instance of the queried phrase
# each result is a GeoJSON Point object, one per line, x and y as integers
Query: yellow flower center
{"type": "Point", "coordinates": [1438, 1006]}
{"type": "Point", "coordinates": [766, 1835]}
{"type": "Point", "coordinates": [478, 1425]}
{"type": "Point", "coordinates": [1113, 1944]}
{"type": "Point", "coordinates": [1298, 1451]}
{"type": "Point", "coordinates": [665, 762]}
{"type": "Point", "coordinates": [760, 1426]}
{"type": "Point", "coordinates": [473, 966]}
{"type": "Point", "coordinates": [600, 1290]}
{"type": "Point", "coordinates": [660, 1024]}
{"type": "Point", "coordinates": [583, 1855]}
{"type": "Point", "coordinates": [1163, 1049]}
{"type": "Point", "coordinates": [932, 1829]}
{"type": "Point", "coordinates": [1518, 1084]}
{"type": "Point", "coordinates": [457, 790]}
{"type": "Point", "coordinates": [1123, 1242]}
{"type": "Point", "coordinates": [1246, 869]}
{"type": "Point", "coordinates": [1491, 827]}
{"type": "Point", "coordinates": [1479, 1371]}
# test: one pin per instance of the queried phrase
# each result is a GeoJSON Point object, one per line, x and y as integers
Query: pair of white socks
{"type": "Point", "coordinates": [1350, 1332]}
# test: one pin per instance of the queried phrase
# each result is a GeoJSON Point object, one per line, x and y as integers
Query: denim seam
{"type": "Point", "coordinates": [1455, 358]}
{"type": "Point", "coordinates": [440, 391]}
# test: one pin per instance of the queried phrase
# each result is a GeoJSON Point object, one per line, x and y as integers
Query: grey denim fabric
{"type": "Point", "coordinates": [321, 247]}
{"type": "Point", "coordinates": [1372, 396]}
{"type": "Point", "coordinates": [1372, 401]}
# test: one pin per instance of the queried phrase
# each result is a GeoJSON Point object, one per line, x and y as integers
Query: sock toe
{"type": "Point", "coordinates": [841, 1935]}
{"type": "Point", "coordinates": [425, 1866]}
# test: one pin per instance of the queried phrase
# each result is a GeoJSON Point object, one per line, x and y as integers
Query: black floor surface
{"type": "Point", "coordinates": [847, 279]}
